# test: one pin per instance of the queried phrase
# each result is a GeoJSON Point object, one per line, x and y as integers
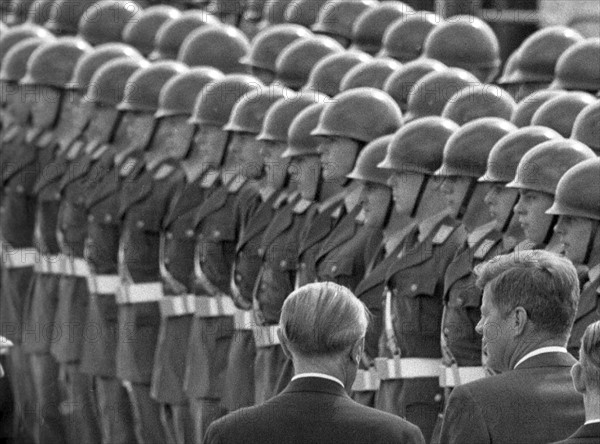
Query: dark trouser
{"type": "Point", "coordinates": [238, 390]}
{"type": "Point", "coordinates": [79, 405]}
{"type": "Point", "coordinates": [18, 374]}
{"type": "Point", "coordinates": [177, 423]}
{"type": "Point", "coordinates": [146, 414]}
{"type": "Point", "coordinates": [116, 419]}
{"type": "Point", "coordinates": [204, 411]}
{"type": "Point", "coordinates": [418, 400]}
{"type": "Point", "coordinates": [268, 366]}
{"type": "Point", "coordinates": [48, 425]}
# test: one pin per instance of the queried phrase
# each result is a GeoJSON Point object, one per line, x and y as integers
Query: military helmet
{"type": "Point", "coordinates": [14, 64]}
{"type": "Point", "coordinates": [273, 12]}
{"type": "Point", "coordinates": [39, 11]}
{"type": "Point", "coordinates": [586, 128]}
{"type": "Point", "coordinates": [281, 114]}
{"type": "Point", "coordinates": [221, 47]}
{"type": "Point", "coordinates": [478, 101]}
{"type": "Point", "coordinates": [399, 84]}
{"type": "Point", "coordinates": [140, 33]}
{"type": "Point", "coordinates": [269, 43]}
{"type": "Point", "coordinates": [578, 191]}
{"type": "Point", "coordinates": [107, 86]}
{"type": "Point", "coordinates": [103, 22]}
{"type": "Point", "coordinates": [89, 63]}
{"type": "Point", "coordinates": [429, 95]}
{"type": "Point", "coordinates": [52, 64]}
{"type": "Point", "coordinates": [369, 27]}
{"type": "Point", "coordinates": [361, 114]}
{"type": "Point", "coordinates": [541, 168]}
{"type": "Point", "coordinates": [301, 142]}
{"type": "Point", "coordinates": [337, 17]}
{"type": "Point", "coordinates": [466, 42]}
{"type": "Point", "coordinates": [144, 86]}
{"type": "Point", "coordinates": [295, 62]}
{"type": "Point", "coordinates": [507, 77]}
{"type": "Point", "coordinates": [540, 52]}
{"type": "Point", "coordinates": [178, 95]}
{"type": "Point", "coordinates": [17, 11]}
{"type": "Point", "coordinates": [372, 73]}
{"type": "Point", "coordinates": [578, 68]}
{"type": "Point", "coordinates": [303, 12]}
{"type": "Point", "coordinates": [418, 147]}
{"type": "Point", "coordinates": [249, 111]}
{"type": "Point", "coordinates": [559, 113]}
{"type": "Point", "coordinates": [466, 152]}
{"type": "Point", "coordinates": [172, 33]}
{"type": "Point", "coordinates": [404, 39]}
{"type": "Point", "coordinates": [216, 100]}
{"type": "Point", "coordinates": [507, 152]}
{"type": "Point", "coordinates": [18, 33]}
{"type": "Point", "coordinates": [527, 107]}
{"type": "Point", "coordinates": [327, 74]}
{"type": "Point", "coordinates": [64, 17]}
{"type": "Point", "coordinates": [369, 157]}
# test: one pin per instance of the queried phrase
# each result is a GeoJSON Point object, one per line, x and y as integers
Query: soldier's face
{"type": "Point", "coordinates": [243, 154]}
{"type": "Point", "coordinates": [45, 104]}
{"type": "Point", "coordinates": [173, 132]}
{"type": "Point", "coordinates": [17, 109]}
{"type": "Point", "coordinates": [338, 155]}
{"type": "Point", "coordinates": [264, 75]}
{"type": "Point", "coordinates": [531, 213]}
{"type": "Point", "coordinates": [134, 130]}
{"type": "Point", "coordinates": [574, 234]}
{"type": "Point", "coordinates": [210, 142]}
{"type": "Point", "coordinates": [376, 200]}
{"type": "Point", "coordinates": [275, 165]}
{"type": "Point", "coordinates": [102, 122]}
{"type": "Point", "coordinates": [405, 188]}
{"type": "Point", "coordinates": [305, 170]}
{"type": "Point", "coordinates": [500, 202]}
{"type": "Point", "coordinates": [455, 189]}
{"type": "Point", "coordinates": [496, 332]}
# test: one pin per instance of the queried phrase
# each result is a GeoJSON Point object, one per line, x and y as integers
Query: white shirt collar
{"type": "Point", "coordinates": [592, 421]}
{"type": "Point", "coordinates": [539, 351]}
{"type": "Point", "coordinates": [318, 375]}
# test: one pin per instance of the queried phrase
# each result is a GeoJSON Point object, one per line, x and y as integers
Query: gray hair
{"type": "Point", "coordinates": [323, 318]}
{"type": "Point", "coordinates": [544, 284]}
{"type": "Point", "coordinates": [589, 356]}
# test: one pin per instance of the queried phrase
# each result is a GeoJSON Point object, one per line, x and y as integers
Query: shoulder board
{"type": "Point", "coordinates": [32, 134]}
{"type": "Point", "coordinates": [280, 200]}
{"type": "Point", "coordinates": [45, 139]}
{"type": "Point", "coordinates": [302, 206]}
{"type": "Point", "coordinates": [484, 248]}
{"type": "Point", "coordinates": [360, 218]}
{"type": "Point", "coordinates": [209, 179]}
{"type": "Point", "coordinates": [293, 195]}
{"type": "Point", "coordinates": [99, 151]}
{"type": "Point", "coordinates": [74, 150]}
{"type": "Point", "coordinates": [336, 213]}
{"type": "Point", "coordinates": [127, 166]}
{"type": "Point", "coordinates": [163, 171]}
{"type": "Point", "coordinates": [442, 234]}
{"type": "Point", "coordinates": [11, 133]}
{"type": "Point", "coordinates": [236, 184]}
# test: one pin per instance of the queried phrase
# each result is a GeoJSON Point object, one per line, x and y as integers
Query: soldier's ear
{"type": "Point", "coordinates": [578, 378]}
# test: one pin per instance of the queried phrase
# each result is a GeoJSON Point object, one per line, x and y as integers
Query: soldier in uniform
{"type": "Point", "coordinates": [48, 71]}
{"type": "Point", "coordinates": [576, 204]}
{"type": "Point", "coordinates": [216, 225]}
{"type": "Point", "coordinates": [409, 363]}
{"type": "Point", "coordinates": [536, 178]}
{"type": "Point", "coordinates": [97, 355]}
{"type": "Point", "coordinates": [176, 253]}
{"type": "Point", "coordinates": [274, 192]}
{"type": "Point", "coordinates": [17, 202]}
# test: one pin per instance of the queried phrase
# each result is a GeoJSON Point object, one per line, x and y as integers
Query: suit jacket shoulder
{"type": "Point", "coordinates": [586, 434]}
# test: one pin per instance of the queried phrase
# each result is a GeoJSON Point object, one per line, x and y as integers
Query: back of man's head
{"type": "Point", "coordinates": [544, 284]}
{"type": "Point", "coordinates": [322, 319]}
{"type": "Point", "coordinates": [589, 357]}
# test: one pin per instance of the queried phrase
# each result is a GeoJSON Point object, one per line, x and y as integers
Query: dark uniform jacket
{"type": "Point", "coordinates": [586, 434]}
{"type": "Point", "coordinates": [588, 310]}
{"type": "Point", "coordinates": [312, 410]}
{"type": "Point", "coordinates": [534, 403]}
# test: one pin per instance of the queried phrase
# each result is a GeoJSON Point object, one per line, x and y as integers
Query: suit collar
{"type": "Point", "coordinates": [316, 385]}
{"type": "Point", "coordinates": [551, 359]}
{"type": "Point", "coordinates": [588, 431]}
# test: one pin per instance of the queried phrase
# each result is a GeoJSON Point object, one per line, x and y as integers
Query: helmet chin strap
{"type": "Point", "coordinates": [465, 202]}
{"type": "Point", "coordinates": [550, 231]}
{"type": "Point", "coordinates": [420, 194]}
{"type": "Point", "coordinates": [510, 216]}
{"type": "Point", "coordinates": [590, 244]}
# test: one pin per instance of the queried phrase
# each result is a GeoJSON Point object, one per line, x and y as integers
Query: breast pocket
{"type": "Point", "coordinates": [418, 306]}
{"type": "Point", "coordinates": [464, 309]}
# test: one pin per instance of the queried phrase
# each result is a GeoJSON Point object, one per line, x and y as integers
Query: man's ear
{"type": "Point", "coordinates": [284, 344]}
{"type": "Point", "coordinates": [520, 320]}
{"type": "Point", "coordinates": [356, 350]}
{"type": "Point", "coordinates": [578, 378]}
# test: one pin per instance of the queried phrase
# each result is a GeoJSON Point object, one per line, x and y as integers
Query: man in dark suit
{"type": "Point", "coordinates": [586, 378]}
{"type": "Point", "coordinates": [322, 329]}
{"type": "Point", "coordinates": [529, 304]}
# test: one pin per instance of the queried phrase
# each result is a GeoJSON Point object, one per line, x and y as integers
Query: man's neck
{"type": "Point", "coordinates": [591, 402]}
{"type": "Point", "coordinates": [529, 345]}
{"type": "Point", "coordinates": [324, 368]}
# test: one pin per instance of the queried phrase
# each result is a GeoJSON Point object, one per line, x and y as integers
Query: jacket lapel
{"type": "Point", "coordinates": [214, 202]}
{"type": "Point", "coordinates": [259, 221]}
{"type": "Point", "coordinates": [55, 169]}
{"type": "Point", "coordinates": [135, 189]}
{"type": "Point", "coordinates": [345, 230]}
{"type": "Point", "coordinates": [26, 157]}
{"type": "Point", "coordinates": [281, 222]}
{"type": "Point", "coordinates": [319, 227]}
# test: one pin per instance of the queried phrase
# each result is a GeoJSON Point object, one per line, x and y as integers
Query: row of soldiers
{"type": "Point", "coordinates": [157, 212]}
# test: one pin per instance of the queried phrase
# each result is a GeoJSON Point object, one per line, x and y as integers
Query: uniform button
{"type": "Point", "coordinates": [169, 235]}
{"type": "Point", "coordinates": [107, 218]}
{"type": "Point", "coordinates": [57, 196]}
{"type": "Point", "coordinates": [90, 218]}
{"type": "Point", "coordinates": [334, 268]}
{"type": "Point", "coordinates": [238, 277]}
{"type": "Point", "coordinates": [446, 331]}
{"type": "Point", "coordinates": [140, 224]}
{"type": "Point", "coordinates": [303, 265]}
{"type": "Point", "coordinates": [189, 233]}
{"type": "Point", "coordinates": [167, 260]}
{"type": "Point", "coordinates": [20, 189]}
{"type": "Point", "coordinates": [460, 301]}
{"type": "Point", "coordinates": [413, 287]}
{"type": "Point", "coordinates": [283, 264]}
{"type": "Point", "coordinates": [437, 398]}
{"type": "Point", "coordinates": [216, 233]}
{"type": "Point", "coordinates": [260, 251]}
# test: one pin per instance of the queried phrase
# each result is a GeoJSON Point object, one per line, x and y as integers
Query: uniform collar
{"type": "Point", "coordinates": [594, 273]}
{"type": "Point", "coordinates": [479, 233]}
{"type": "Point", "coordinates": [352, 198]}
{"type": "Point", "coordinates": [427, 225]}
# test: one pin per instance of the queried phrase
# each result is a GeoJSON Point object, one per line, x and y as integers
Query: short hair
{"type": "Point", "coordinates": [323, 318]}
{"type": "Point", "coordinates": [544, 284]}
{"type": "Point", "coordinates": [589, 356]}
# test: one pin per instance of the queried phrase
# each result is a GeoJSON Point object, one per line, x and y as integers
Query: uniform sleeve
{"type": "Point", "coordinates": [463, 421]}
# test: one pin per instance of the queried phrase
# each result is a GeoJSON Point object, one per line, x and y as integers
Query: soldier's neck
{"type": "Point", "coordinates": [432, 202]}
{"type": "Point", "coordinates": [329, 189]}
{"type": "Point", "coordinates": [476, 214]}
